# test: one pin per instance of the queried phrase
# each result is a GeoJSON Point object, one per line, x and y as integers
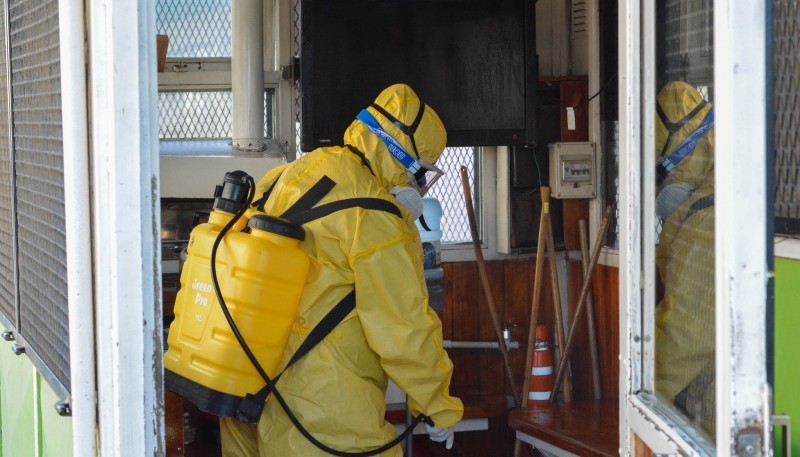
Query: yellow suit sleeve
{"type": "Point", "coordinates": [392, 303]}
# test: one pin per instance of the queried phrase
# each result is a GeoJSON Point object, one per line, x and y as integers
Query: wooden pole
{"type": "Point", "coordinates": [590, 319]}
{"type": "Point", "coordinates": [559, 320]}
{"type": "Point", "coordinates": [485, 282]}
{"type": "Point", "coordinates": [587, 281]}
{"type": "Point", "coordinates": [544, 220]}
{"type": "Point", "coordinates": [536, 297]}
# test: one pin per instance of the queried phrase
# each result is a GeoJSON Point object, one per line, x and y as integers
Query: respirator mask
{"type": "Point", "coordinates": [670, 194]}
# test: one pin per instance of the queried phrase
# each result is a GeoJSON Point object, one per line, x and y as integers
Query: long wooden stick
{"type": "Point", "coordinates": [559, 320]}
{"type": "Point", "coordinates": [544, 220]}
{"type": "Point", "coordinates": [485, 282]}
{"type": "Point", "coordinates": [592, 327]}
{"type": "Point", "coordinates": [587, 282]}
{"type": "Point", "coordinates": [536, 297]}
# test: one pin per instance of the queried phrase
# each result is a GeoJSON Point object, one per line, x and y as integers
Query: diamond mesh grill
{"type": "Point", "coordinates": [202, 114]}
{"type": "Point", "coordinates": [7, 262]}
{"type": "Point", "coordinates": [39, 178]}
{"type": "Point", "coordinates": [450, 192]}
{"type": "Point", "coordinates": [195, 28]}
{"type": "Point", "coordinates": [610, 132]}
{"type": "Point", "coordinates": [787, 116]}
{"type": "Point", "coordinates": [296, 52]}
{"type": "Point", "coordinates": [686, 48]}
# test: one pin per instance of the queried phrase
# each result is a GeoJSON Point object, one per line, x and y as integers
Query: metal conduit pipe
{"type": "Point", "coordinates": [448, 344]}
{"type": "Point", "coordinates": [247, 74]}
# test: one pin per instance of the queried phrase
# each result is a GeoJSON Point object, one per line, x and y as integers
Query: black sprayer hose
{"type": "Point", "coordinates": [260, 369]}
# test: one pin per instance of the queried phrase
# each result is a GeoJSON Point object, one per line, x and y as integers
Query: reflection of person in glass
{"type": "Point", "coordinates": [685, 256]}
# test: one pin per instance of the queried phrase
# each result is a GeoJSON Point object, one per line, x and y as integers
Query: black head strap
{"type": "Point", "coordinates": [362, 156]}
{"type": "Point", "coordinates": [673, 127]}
{"type": "Point", "coordinates": [407, 129]}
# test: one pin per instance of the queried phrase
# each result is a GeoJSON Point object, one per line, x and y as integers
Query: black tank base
{"type": "Point", "coordinates": [207, 400]}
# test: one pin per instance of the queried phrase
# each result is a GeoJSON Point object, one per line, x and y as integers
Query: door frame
{"type": "Point", "coordinates": [742, 274]}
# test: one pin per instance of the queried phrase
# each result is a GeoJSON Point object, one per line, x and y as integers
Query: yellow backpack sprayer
{"type": "Point", "coordinates": [205, 363]}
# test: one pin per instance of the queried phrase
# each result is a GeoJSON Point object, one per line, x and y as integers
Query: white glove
{"type": "Point", "coordinates": [439, 435]}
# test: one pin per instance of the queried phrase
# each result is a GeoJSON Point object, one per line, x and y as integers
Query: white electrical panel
{"type": "Point", "coordinates": [573, 170]}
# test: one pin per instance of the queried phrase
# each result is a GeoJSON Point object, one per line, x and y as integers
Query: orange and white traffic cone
{"type": "Point", "coordinates": [542, 377]}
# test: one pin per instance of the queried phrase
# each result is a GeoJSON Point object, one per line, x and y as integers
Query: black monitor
{"type": "Point", "coordinates": [473, 61]}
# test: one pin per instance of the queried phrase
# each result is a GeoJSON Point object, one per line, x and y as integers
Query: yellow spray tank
{"type": "Point", "coordinates": [261, 274]}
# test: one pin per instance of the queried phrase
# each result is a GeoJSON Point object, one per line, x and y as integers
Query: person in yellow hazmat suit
{"type": "Point", "coordinates": [684, 360]}
{"type": "Point", "coordinates": [337, 390]}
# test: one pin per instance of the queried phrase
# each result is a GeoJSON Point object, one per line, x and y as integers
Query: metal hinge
{"type": "Point", "coordinates": [755, 441]}
{"type": "Point", "coordinates": [749, 442]}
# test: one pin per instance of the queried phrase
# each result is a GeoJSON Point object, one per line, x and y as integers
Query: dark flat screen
{"type": "Point", "coordinates": [471, 60]}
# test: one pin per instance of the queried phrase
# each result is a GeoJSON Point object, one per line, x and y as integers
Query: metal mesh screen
{"type": "Point", "coordinates": [39, 178]}
{"type": "Point", "coordinates": [7, 289]}
{"type": "Point", "coordinates": [296, 53]}
{"type": "Point", "coordinates": [686, 42]}
{"type": "Point", "coordinates": [195, 28]}
{"type": "Point", "coordinates": [202, 114]}
{"type": "Point", "coordinates": [450, 192]}
{"type": "Point", "coordinates": [610, 138]}
{"type": "Point", "coordinates": [787, 116]}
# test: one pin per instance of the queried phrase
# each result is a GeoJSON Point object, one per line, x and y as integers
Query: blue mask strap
{"type": "Point", "coordinates": [397, 150]}
{"type": "Point", "coordinates": [667, 164]}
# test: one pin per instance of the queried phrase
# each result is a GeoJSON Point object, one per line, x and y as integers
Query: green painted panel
{"type": "Point", "coordinates": [16, 403]}
{"type": "Point", "coordinates": [787, 340]}
{"type": "Point", "coordinates": [56, 430]}
{"type": "Point", "coordinates": [27, 405]}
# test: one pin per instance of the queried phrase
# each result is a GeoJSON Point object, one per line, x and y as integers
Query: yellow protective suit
{"type": "Point", "coordinates": [684, 361]}
{"type": "Point", "coordinates": [337, 391]}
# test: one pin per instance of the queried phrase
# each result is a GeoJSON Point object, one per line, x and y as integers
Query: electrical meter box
{"type": "Point", "coordinates": [573, 171]}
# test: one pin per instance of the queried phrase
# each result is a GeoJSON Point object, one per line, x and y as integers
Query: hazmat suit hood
{"type": "Point", "coordinates": [677, 101]}
{"type": "Point", "coordinates": [430, 136]}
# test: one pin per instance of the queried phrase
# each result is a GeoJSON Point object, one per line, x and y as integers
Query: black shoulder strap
{"type": "Point", "coordinates": [329, 208]}
{"type": "Point", "coordinates": [304, 211]}
{"type": "Point", "coordinates": [259, 204]}
{"type": "Point", "coordinates": [325, 326]}
{"type": "Point", "coordinates": [250, 407]}
{"type": "Point", "coordinates": [701, 204]}
{"type": "Point", "coordinates": [310, 198]}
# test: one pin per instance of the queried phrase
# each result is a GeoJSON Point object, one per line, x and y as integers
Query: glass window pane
{"type": "Point", "coordinates": [684, 150]}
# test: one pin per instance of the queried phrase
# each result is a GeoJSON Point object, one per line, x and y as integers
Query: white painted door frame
{"type": "Point", "coordinates": [124, 167]}
{"type": "Point", "coordinates": [740, 85]}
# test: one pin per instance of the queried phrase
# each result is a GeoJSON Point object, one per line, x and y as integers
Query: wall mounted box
{"type": "Point", "coordinates": [573, 170]}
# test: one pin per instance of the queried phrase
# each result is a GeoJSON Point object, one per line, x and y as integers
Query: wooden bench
{"type": "Point", "coordinates": [581, 428]}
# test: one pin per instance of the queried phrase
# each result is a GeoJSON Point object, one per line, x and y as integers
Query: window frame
{"type": "Point", "coordinates": [214, 73]}
{"type": "Point", "coordinates": [489, 201]}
